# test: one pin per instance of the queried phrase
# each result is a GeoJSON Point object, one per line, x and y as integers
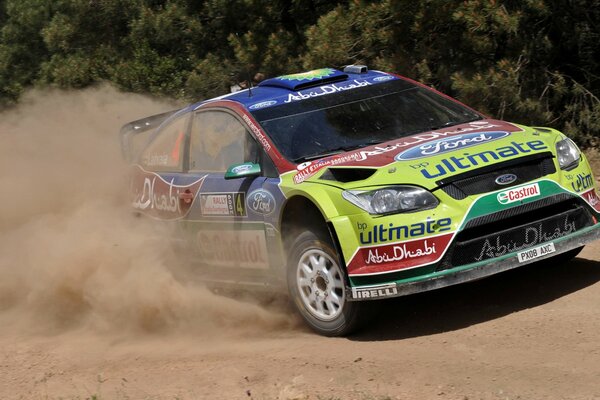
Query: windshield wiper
{"type": "Point", "coordinates": [337, 150]}
{"type": "Point", "coordinates": [452, 123]}
{"type": "Point", "coordinates": [320, 155]}
{"type": "Point", "coordinates": [445, 125]}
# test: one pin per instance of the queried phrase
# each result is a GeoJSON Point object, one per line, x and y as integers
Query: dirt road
{"type": "Point", "coordinates": [528, 334]}
{"type": "Point", "coordinates": [89, 310]}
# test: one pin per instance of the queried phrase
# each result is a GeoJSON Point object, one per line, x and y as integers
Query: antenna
{"type": "Point", "coordinates": [249, 84]}
{"type": "Point", "coordinates": [247, 73]}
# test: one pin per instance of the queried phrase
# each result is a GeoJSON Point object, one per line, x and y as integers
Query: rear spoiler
{"type": "Point", "coordinates": [132, 135]}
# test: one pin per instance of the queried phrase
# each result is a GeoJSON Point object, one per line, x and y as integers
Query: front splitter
{"type": "Point", "coordinates": [469, 272]}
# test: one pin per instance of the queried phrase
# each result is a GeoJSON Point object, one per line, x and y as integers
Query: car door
{"type": "Point", "coordinates": [229, 240]}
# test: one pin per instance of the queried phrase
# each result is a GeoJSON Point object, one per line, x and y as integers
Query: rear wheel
{"type": "Point", "coordinates": [317, 285]}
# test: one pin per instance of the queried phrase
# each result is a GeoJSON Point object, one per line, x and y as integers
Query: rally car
{"type": "Point", "coordinates": [343, 186]}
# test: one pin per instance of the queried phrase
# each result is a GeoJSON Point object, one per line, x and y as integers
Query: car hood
{"type": "Point", "coordinates": [426, 158]}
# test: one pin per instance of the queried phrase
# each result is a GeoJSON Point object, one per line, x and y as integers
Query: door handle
{"type": "Point", "coordinates": [186, 196]}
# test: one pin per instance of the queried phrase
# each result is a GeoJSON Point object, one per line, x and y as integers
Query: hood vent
{"type": "Point", "coordinates": [346, 175]}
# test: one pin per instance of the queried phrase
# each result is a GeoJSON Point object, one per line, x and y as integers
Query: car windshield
{"type": "Point", "coordinates": [347, 120]}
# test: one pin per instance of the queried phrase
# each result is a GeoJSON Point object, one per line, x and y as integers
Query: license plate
{"type": "Point", "coordinates": [536, 252]}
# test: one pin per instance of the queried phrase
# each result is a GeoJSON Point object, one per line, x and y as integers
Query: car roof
{"type": "Point", "coordinates": [297, 87]}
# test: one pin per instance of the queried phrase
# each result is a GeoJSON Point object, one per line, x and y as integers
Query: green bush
{"type": "Point", "coordinates": [532, 61]}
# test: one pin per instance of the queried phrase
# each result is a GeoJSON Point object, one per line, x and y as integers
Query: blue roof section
{"type": "Point", "coordinates": [298, 87]}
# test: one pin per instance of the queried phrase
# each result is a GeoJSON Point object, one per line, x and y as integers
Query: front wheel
{"type": "Point", "coordinates": [317, 285]}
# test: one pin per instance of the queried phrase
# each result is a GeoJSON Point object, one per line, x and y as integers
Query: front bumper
{"type": "Point", "coordinates": [470, 272]}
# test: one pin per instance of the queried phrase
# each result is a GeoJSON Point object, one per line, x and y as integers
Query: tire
{"type": "Point", "coordinates": [317, 286]}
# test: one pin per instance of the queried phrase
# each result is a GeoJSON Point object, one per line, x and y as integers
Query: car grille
{"type": "Point", "coordinates": [515, 229]}
{"type": "Point", "coordinates": [483, 180]}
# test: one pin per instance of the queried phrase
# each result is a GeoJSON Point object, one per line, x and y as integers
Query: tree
{"type": "Point", "coordinates": [530, 61]}
{"type": "Point", "coordinates": [358, 33]}
{"type": "Point", "coordinates": [22, 48]}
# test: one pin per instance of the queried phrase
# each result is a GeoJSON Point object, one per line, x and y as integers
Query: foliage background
{"type": "Point", "coordinates": [529, 61]}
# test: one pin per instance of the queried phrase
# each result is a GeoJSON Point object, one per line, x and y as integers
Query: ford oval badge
{"type": "Point", "coordinates": [449, 144]}
{"type": "Point", "coordinates": [506, 179]}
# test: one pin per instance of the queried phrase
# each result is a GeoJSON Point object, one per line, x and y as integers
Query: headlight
{"type": "Point", "coordinates": [568, 154]}
{"type": "Point", "coordinates": [391, 199]}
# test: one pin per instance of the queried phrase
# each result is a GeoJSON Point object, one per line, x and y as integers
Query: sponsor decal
{"type": "Point", "coordinates": [506, 179]}
{"type": "Point", "coordinates": [261, 202]}
{"type": "Point", "coordinates": [582, 182]}
{"type": "Point", "coordinates": [374, 292]}
{"type": "Point", "coordinates": [242, 248]}
{"type": "Point", "coordinates": [241, 168]}
{"type": "Point", "coordinates": [425, 137]}
{"type": "Point", "coordinates": [399, 256]}
{"type": "Point", "coordinates": [309, 75]}
{"type": "Point", "coordinates": [592, 199]}
{"type": "Point", "coordinates": [401, 252]}
{"type": "Point", "coordinates": [383, 233]}
{"type": "Point", "coordinates": [534, 235]}
{"type": "Point", "coordinates": [363, 155]}
{"type": "Point", "coordinates": [420, 165]}
{"type": "Point", "coordinates": [536, 252]}
{"type": "Point", "coordinates": [271, 232]}
{"type": "Point", "coordinates": [456, 164]}
{"type": "Point", "coordinates": [223, 204]}
{"type": "Point", "coordinates": [326, 89]}
{"type": "Point", "coordinates": [518, 193]}
{"type": "Point", "coordinates": [170, 159]}
{"type": "Point", "coordinates": [450, 144]}
{"type": "Point", "coordinates": [160, 198]}
{"type": "Point", "coordinates": [383, 78]}
{"type": "Point", "coordinates": [257, 133]}
{"type": "Point", "coordinates": [156, 160]}
{"type": "Point", "coordinates": [262, 104]}
{"type": "Point", "coordinates": [308, 169]}
{"type": "Point", "coordinates": [304, 165]}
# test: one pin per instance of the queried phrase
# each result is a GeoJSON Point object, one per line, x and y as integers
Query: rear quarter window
{"type": "Point", "coordinates": [165, 152]}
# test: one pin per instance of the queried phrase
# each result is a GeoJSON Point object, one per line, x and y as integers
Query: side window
{"type": "Point", "coordinates": [165, 152]}
{"type": "Point", "coordinates": [219, 140]}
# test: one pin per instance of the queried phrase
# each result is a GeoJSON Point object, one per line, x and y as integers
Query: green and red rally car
{"type": "Point", "coordinates": [355, 185]}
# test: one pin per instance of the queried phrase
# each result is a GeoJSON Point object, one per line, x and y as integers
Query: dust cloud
{"type": "Point", "coordinates": [72, 255]}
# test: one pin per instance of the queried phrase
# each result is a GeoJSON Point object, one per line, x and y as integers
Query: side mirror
{"type": "Point", "coordinates": [244, 170]}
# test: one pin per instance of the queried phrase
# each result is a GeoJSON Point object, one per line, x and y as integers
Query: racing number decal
{"type": "Point", "coordinates": [239, 204]}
